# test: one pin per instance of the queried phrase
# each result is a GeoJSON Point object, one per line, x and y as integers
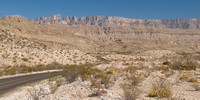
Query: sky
{"type": "Point", "coordinates": [137, 9]}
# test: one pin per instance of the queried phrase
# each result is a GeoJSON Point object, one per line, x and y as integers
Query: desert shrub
{"type": "Point", "coordinates": [130, 69]}
{"type": "Point", "coordinates": [193, 80]}
{"type": "Point", "coordinates": [184, 77]}
{"type": "Point", "coordinates": [25, 59]}
{"type": "Point", "coordinates": [176, 65]}
{"type": "Point", "coordinates": [132, 77]}
{"type": "Point", "coordinates": [10, 71]}
{"type": "Point", "coordinates": [167, 71]}
{"type": "Point", "coordinates": [1, 74]}
{"type": "Point", "coordinates": [52, 87]}
{"type": "Point", "coordinates": [166, 63]}
{"type": "Point", "coordinates": [97, 88]}
{"type": "Point", "coordinates": [28, 69]}
{"type": "Point", "coordinates": [104, 77]}
{"type": "Point", "coordinates": [97, 79]}
{"type": "Point", "coordinates": [135, 79]}
{"type": "Point", "coordinates": [53, 65]}
{"type": "Point", "coordinates": [187, 65]}
{"type": "Point", "coordinates": [72, 72]}
{"type": "Point", "coordinates": [36, 92]}
{"type": "Point", "coordinates": [184, 53]}
{"type": "Point", "coordinates": [160, 92]}
{"type": "Point", "coordinates": [130, 92]}
{"type": "Point", "coordinates": [124, 53]}
{"type": "Point", "coordinates": [54, 82]}
{"type": "Point", "coordinates": [23, 65]}
{"type": "Point", "coordinates": [140, 59]}
{"type": "Point", "coordinates": [196, 86]}
{"type": "Point", "coordinates": [160, 89]}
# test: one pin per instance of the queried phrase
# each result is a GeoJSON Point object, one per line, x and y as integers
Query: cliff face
{"type": "Point", "coordinates": [119, 21]}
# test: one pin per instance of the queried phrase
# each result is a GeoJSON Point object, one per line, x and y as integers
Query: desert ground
{"type": "Point", "coordinates": [101, 63]}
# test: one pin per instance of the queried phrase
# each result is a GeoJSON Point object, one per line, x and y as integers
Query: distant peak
{"type": "Point", "coordinates": [12, 16]}
{"type": "Point", "coordinates": [57, 16]}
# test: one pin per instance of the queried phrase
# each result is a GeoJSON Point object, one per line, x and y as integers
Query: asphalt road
{"type": "Point", "coordinates": [8, 84]}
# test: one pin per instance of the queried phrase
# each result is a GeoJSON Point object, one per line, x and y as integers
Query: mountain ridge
{"type": "Point", "coordinates": [183, 23]}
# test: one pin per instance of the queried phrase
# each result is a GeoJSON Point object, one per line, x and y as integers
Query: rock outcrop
{"type": "Point", "coordinates": [119, 21]}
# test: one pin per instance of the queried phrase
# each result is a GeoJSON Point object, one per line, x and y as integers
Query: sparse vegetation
{"type": "Point", "coordinates": [123, 53]}
{"type": "Point", "coordinates": [99, 79]}
{"type": "Point", "coordinates": [72, 72]}
{"type": "Point", "coordinates": [184, 53]}
{"type": "Point", "coordinates": [35, 92]}
{"type": "Point", "coordinates": [25, 59]}
{"type": "Point", "coordinates": [160, 89]}
{"type": "Point", "coordinates": [193, 80]}
{"type": "Point", "coordinates": [97, 88]}
{"type": "Point", "coordinates": [184, 77]}
{"type": "Point", "coordinates": [54, 83]}
{"type": "Point", "coordinates": [187, 65]}
{"type": "Point", "coordinates": [131, 92]}
{"type": "Point", "coordinates": [196, 86]}
{"type": "Point", "coordinates": [28, 69]}
{"type": "Point", "coordinates": [160, 92]}
{"type": "Point", "coordinates": [198, 52]}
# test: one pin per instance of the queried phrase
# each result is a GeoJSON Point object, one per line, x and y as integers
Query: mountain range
{"type": "Point", "coordinates": [183, 23]}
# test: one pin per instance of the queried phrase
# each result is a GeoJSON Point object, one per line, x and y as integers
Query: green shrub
{"type": "Point", "coordinates": [10, 71]}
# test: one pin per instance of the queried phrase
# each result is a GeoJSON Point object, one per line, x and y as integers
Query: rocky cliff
{"type": "Point", "coordinates": [119, 21]}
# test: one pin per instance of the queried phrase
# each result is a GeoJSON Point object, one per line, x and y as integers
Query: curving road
{"type": "Point", "coordinates": [7, 84]}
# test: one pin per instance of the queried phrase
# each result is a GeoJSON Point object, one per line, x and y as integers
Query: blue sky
{"type": "Point", "coordinates": [139, 9]}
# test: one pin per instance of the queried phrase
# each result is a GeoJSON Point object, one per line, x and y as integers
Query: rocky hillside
{"type": "Point", "coordinates": [189, 23]}
{"type": "Point", "coordinates": [150, 33]}
{"type": "Point", "coordinates": [102, 38]}
{"type": "Point", "coordinates": [20, 51]}
{"type": "Point", "coordinates": [25, 43]}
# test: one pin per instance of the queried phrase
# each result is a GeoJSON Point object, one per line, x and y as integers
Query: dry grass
{"type": "Point", "coordinates": [184, 77]}
{"type": "Point", "coordinates": [160, 89]}
{"type": "Point", "coordinates": [160, 92]}
{"type": "Point", "coordinates": [193, 80]}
